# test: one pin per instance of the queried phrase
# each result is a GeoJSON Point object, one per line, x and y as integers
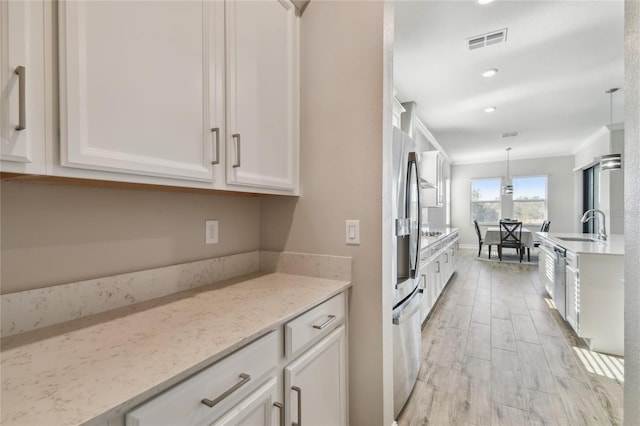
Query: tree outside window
{"type": "Point", "coordinates": [530, 199]}
{"type": "Point", "coordinates": [485, 200]}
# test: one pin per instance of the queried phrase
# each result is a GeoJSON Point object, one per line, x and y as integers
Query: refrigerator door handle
{"type": "Point", "coordinates": [409, 308]}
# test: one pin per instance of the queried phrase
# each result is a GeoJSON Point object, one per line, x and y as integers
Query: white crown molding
{"type": "Point", "coordinates": [496, 159]}
{"type": "Point", "coordinates": [432, 140]}
{"type": "Point", "coordinates": [615, 126]}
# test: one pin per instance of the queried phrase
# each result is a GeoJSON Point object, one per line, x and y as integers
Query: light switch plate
{"type": "Point", "coordinates": [352, 231]}
{"type": "Point", "coordinates": [211, 232]}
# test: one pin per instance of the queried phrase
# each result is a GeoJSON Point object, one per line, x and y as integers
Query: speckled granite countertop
{"type": "Point", "coordinates": [88, 370]}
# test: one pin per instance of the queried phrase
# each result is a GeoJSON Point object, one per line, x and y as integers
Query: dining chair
{"type": "Point", "coordinates": [543, 228]}
{"type": "Point", "coordinates": [480, 240]}
{"type": "Point", "coordinates": [511, 237]}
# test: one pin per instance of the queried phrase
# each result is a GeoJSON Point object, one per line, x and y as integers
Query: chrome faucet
{"type": "Point", "coordinates": [602, 231]}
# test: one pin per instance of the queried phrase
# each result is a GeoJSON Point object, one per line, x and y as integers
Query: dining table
{"type": "Point", "coordinates": [492, 237]}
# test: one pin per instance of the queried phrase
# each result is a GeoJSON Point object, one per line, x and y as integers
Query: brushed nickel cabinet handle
{"type": "Point", "coordinates": [216, 131]}
{"type": "Point", "coordinates": [244, 378]}
{"type": "Point", "coordinates": [438, 264]}
{"type": "Point", "coordinates": [22, 98]}
{"type": "Point", "coordinates": [299, 391]}
{"type": "Point", "coordinates": [326, 323]}
{"type": "Point", "coordinates": [236, 136]}
{"type": "Point", "coordinates": [281, 409]}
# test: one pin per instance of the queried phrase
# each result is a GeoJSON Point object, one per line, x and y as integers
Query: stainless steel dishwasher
{"type": "Point", "coordinates": [559, 280]}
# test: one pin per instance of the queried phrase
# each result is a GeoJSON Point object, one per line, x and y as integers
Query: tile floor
{"type": "Point", "coordinates": [496, 352]}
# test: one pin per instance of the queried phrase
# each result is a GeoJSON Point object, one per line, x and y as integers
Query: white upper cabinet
{"type": "Point", "coordinates": [262, 89]}
{"type": "Point", "coordinates": [22, 112]}
{"type": "Point", "coordinates": [432, 178]}
{"type": "Point", "coordinates": [141, 86]}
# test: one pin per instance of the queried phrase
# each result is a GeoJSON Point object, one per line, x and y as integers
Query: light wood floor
{"type": "Point", "coordinates": [496, 352]}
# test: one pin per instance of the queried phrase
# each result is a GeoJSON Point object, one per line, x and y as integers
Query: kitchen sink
{"type": "Point", "coordinates": [587, 240]}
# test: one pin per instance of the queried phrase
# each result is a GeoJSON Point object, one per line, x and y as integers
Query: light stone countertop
{"type": "Point", "coordinates": [93, 368]}
{"type": "Point", "coordinates": [614, 245]}
{"type": "Point", "coordinates": [428, 241]}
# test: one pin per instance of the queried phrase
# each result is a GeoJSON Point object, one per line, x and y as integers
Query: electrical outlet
{"type": "Point", "coordinates": [211, 232]}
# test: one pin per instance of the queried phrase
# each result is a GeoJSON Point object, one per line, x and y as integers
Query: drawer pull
{"type": "Point", "coordinates": [216, 132]}
{"type": "Point", "coordinates": [244, 378]}
{"type": "Point", "coordinates": [281, 409]}
{"type": "Point", "coordinates": [326, 323]}
{"type": "Point", "coordinates": [280, 406]}
{"type": "Point", "coordinates": [297, 389]}
{"type": "Point", "coordinates": [22, 98]}
{"type": "Point", "coordinates": [236, 136]}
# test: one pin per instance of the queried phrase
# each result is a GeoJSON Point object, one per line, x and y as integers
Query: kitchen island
{"type": "Point", "coordinates": [593, 298]}
{"type": "Point", "coordinates": [95, 369]}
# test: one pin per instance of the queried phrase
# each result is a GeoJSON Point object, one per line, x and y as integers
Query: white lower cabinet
{"type": "Point", "coordinates": [316, 385]}
{"type": "Point", "coordinates": [573, 292]}
{"type": "Point", "coordinates": [546, 266]}
{"type": "Point", "coordinates": [262, 385]}
{"type": "Point", "coordinates": [257, 409]}
{"type": "Point", "coordinates": [208, 394]}
{"type": "Point", "coordinates": [440, 264]}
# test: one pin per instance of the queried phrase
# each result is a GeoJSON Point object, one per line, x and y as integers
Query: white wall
{"type": "Point", "coordinates": [632, 215]}
{"type": "Point", "coordinates": [343, 92]}
{"type": "Point", "coordinates": [611, 183]}
{"type": "Point", "coordinates": [590, 151]}
{"type": "Point", "coordinates": [560, 190]}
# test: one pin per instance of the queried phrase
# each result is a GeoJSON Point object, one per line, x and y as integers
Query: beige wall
{"type": "Point", "coordinates": [53, 234]}
{"type": "Point", "coordinates": [341, 178]}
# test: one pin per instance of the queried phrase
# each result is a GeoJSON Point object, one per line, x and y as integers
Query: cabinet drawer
{"type": "Point", "coordinates": [313, 324]}
{"type": "Point", "coordinates": [223, 384]}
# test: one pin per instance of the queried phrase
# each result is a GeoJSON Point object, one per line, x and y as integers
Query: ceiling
{"type": "Point", "coordinates": [558, 59]}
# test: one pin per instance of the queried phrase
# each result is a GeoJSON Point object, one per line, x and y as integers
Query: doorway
{"type": "Point", "coordinates": [590, 195]}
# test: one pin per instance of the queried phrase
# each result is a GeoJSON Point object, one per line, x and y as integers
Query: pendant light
{"type": "Point", "coordinates": [508, 188]}
{"type": "Point", "coordinates": [611, 161]}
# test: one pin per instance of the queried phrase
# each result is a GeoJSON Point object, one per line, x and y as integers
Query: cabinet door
{"type": "Point", "coordinates": [315, 384]}
{"type": "Point", "coordinates": [141, 86]}
{"type": "Point", "coordinates": [425, 307]}
{"type": "Point", "coordinates": [573, 297]}
{"type": "Point", "coordinates": [546, 269]}
{"type": "Point", "coordinates": [262, 87]}
{"type": "Point", "coordinates": [257, 409]}
{"type": "Point", "coordinates": [22, 116]}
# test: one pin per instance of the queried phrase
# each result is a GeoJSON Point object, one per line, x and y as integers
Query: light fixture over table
{"type": "Point", "coordinates": [611, 161]}
{"type": "Point", "coordinates": [508, 188]}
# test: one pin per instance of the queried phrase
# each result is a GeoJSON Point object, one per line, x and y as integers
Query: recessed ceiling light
{"type": "Point", "coordinates": [484, 1]}
{"type": "Point", "coordinates": [490, 73]}
{"type": "Point", "coordinates": [490, 109]}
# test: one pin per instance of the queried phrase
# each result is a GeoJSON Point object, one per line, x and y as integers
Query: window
{"type": "Point", "coordinates": [530, 199]}
{"type": "Point", "coordinates": [485, 200]}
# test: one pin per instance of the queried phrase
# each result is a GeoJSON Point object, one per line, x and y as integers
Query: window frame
{"type": "Point", "coordinates": [471, 202]}
{"type": "Point", "coordinates": [546, 197]}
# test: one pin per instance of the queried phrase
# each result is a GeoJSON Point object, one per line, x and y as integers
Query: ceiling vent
{"type": "Point", "coordinates": [494, 37]}
{"type": "Point", "coordinates": [510, 134]}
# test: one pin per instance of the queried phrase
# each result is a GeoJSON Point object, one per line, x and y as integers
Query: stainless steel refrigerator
{"type": "Point", "coordinates": [407, 297]}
